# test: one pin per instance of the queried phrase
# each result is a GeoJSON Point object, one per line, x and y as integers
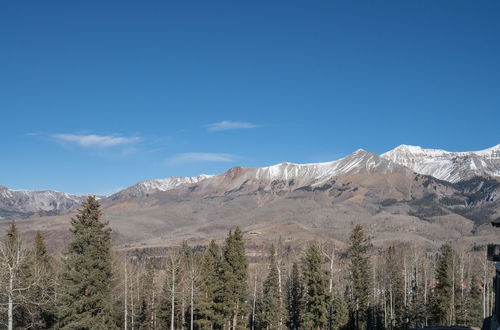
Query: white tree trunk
{"type": "Point", "coordinates": [126, 299]}
{"type": "Point", "coordinates": [11, 298]}
{"type": "Point", "coordinates": [172, 303]}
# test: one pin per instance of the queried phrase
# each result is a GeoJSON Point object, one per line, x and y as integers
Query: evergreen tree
{"type": "Point", "coordinates": [42, 293]}
{"type": "Point", "coordinates": [207, 312]}
{"type": "Point", "coordinates": [475, 303]}
{"type": "Point", "coordinates": [294, 298]}
{"type": "Point", "coordinates": [234, 276]}
{"type": "Point", "coordinates": [442, 298]}
{"type": "Point", "coordinates": [271, 313]}
{"type": "Point", "coordinates": [340, 313]}
{"type": "Point", "coordinates": [314, 313]}
{"type": "Point", "coordinates": [86, 279]}
{"type": "Point", "coordinates": [360, 276]}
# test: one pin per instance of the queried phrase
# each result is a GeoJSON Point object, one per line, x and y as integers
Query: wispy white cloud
{"type": "Point", "coordinates": [196, 157]}
{"type": "Point", "coordinates": [91, 140]}
{"type": "Point", "coordinates": [226, 125]}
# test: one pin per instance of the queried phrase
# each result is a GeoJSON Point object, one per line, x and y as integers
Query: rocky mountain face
{"type": "Point", "coordinates": [445, 165]}
{"type": "Point", "coordinates": [25, 203]}
{"type": "Point", "coordinates": [147, 187]}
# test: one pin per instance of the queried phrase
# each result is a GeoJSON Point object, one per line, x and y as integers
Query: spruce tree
{"type": "Point", "coordinates": [315, 299]}
{"type": "Point", "coordinates": [294, 298]}
{"type": "Point", "coordinates": [271, 313]}
{"type": "Point", "coordinates": [360, 276]}
{"type": "Point", "coordinates": [207, 312]}
{"type": "Point", "coordinates": [340, 312]}
{"type": "Point", "coordinates": [86, 281]}
{"type": "Point", "coordinates": [442, 298]}
{"type": "Point", "coordinates": [475, 303]}
{"type": "Point", "coordinates": [42, 293]}
{"type": "Point", "coordinates": [234, 276]}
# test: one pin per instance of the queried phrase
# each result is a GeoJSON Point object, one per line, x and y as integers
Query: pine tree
{"type": "Point", "coordinates": [294, 298]}
{"type": "Point", "coordinates": [42, 293]}
{"type": "Point", "coordinates": [234, 276]}
{"type": "Point", "coordinates": [271, 313]}
{"type": "Point", "coordinates": [442, 298]}
{"type": "Point", "coordinates": [315, 299]}
{"type": "Point", "coordinates": [360, 276]}
{"type": "Point", "coordinates": [207, 313]}
{"type": "Point", "coordinates": [475, 303]}
{"type": "Point", "coordinates": [340, 312]}
{"type": "Point", "coordinates": [86, 279]}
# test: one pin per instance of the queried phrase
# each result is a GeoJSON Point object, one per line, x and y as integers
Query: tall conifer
{"type": "Point", "coordinates": [86, 279]}
{"type": "Point", "coordinates": [234, 276]}
{"type": "Point", "coordinates": [442, 298]}
{"type": "Point", "coordinates": [360, 276]}
{"type": "Point", "coordinates": [316, 297]}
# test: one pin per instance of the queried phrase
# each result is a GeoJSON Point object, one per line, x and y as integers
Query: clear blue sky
{"type": "Point", "coordinates": [97, 95]}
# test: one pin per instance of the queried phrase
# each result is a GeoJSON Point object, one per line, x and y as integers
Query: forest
{"type": "Point", "coordinates": [316, 285]}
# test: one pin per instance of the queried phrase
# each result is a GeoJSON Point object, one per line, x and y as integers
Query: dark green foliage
{"type": "Point", "coordinates": [270, 311]}
{"type": "Point", "coordinates": [234, 279]}
{"type": "Point", "coordinates": [207, 312]}
{"type": "Point", "coordinates": [360, 276]}
{"type": "Point", "coordinates": [340, 313]}
{"type": "Point", "coordinates": [42, 293]}
{"type": "Point", "coordinates": [314, 314]}
{"type": "Point", "coordinates": [474, 303]}
{"type": "Point", "coordinates": [86, 282]}
{"type": "Point", "coordinates": [294, 298]}
{"type": "Point", "coordinates": [442, 297]}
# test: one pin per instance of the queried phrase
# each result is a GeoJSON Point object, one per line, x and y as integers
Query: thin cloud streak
{"type": "Point", "coordinates": [227, 125]}
{"type": "Point", "coordinates": [198, 157]}
{"type": "Point", "coordinates": [92, 140]}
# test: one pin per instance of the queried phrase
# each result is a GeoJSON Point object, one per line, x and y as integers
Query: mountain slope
{"type": "Point", "coordinates": [445, 165]}
{"type": "Point", "coordinates": [25, 203]}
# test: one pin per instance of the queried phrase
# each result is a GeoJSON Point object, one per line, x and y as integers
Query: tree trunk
{"type": "Point", "coordinates": [11, 298]}
{"type": "Point", "coordinates": [172, 303]}
{"type": "Point", "coordinates": [126, 297]}
{"type": "Point", "coordinates": [192, 300]}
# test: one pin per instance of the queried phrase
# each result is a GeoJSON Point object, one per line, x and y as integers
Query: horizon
{"type": "Point", "coordinates": [98, 97]}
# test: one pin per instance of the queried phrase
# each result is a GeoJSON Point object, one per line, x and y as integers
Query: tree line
{"type": "Point", "coordinates": [318, 286]}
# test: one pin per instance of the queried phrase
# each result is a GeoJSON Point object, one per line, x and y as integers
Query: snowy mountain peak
{"type": "Point", "coordinates": [447, 165]}
{"type": "Point", "coordinates": [23, 203]}
{"type": "Point", "coordinates": [157, 185]}
{"type": "Point", "coordinates": [359, 161]}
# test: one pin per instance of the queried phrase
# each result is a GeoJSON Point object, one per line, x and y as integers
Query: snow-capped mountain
{"type": "Point", "coordinates": [317, 173]}
{"type": "Point", "coordinates": [146, 187]}
{"type": "Point", "coordinates": [24, 203]}
{"type": "Point", "coordinates": [446, 165]}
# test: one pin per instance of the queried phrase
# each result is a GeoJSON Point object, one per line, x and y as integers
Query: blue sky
{"type": "Point", "coordinates": [97, 95]}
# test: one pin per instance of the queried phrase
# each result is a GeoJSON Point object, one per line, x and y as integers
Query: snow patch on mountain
{"type": "Point", "coordinates": [318, 173]}
{"type": "Point", "coordinates": [446, 165]}
{"type": "Point", "coordinates": [26, 201]}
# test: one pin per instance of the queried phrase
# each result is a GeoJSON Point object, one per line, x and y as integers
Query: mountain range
{"type": "Point", "coordinates": [420, 194]}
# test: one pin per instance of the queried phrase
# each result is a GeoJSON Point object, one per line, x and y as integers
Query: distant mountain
{"type": "Point", "coordinates": [144, 188]}
{"type": "Point", "coordinates": [25, 203]}
{"type": "Point", "coordinates": [446, 165]}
